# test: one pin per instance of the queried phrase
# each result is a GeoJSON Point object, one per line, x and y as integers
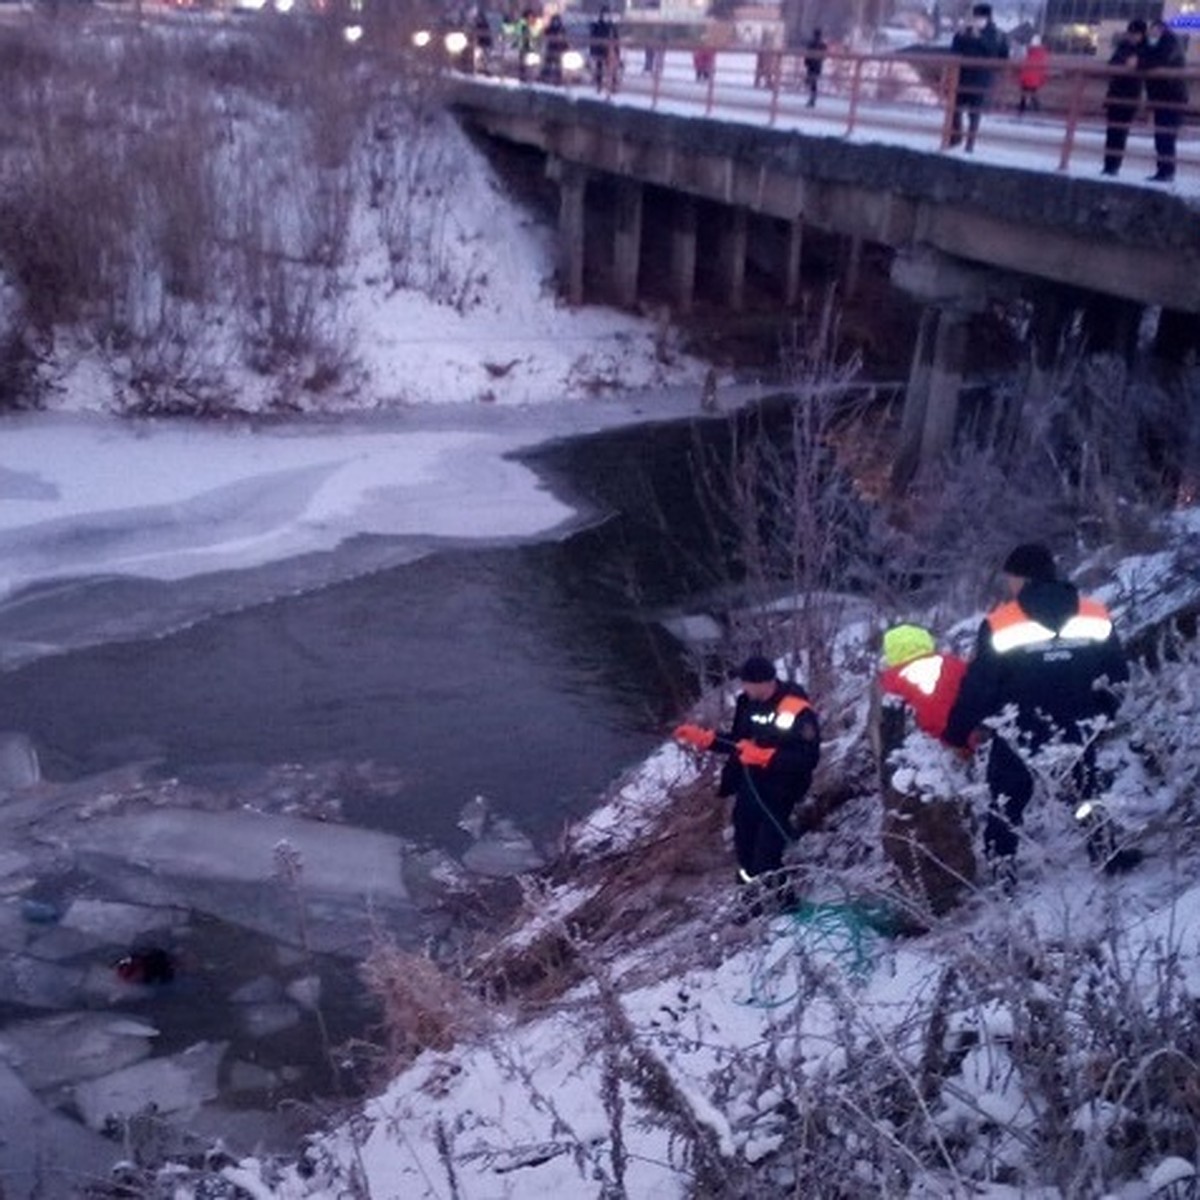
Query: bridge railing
{"type": "Point", "coordinates": [928, 100]}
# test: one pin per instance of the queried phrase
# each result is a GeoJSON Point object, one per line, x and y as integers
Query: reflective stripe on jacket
{"type": "Point", "coordinates": [929, 686]}
{"type": "Point", "coordinates": [1013, 629]}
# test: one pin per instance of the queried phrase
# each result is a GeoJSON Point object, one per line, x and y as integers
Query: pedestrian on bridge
{"type": "Point", "coordinates": [1166, 93]}
{"type": "Point", "coordinates": [605, 49]}
{"type": "Point", "coordinates": [1123, 95]}
{"type": "Point", "coordinates": [978, 39]}
{"type": "Point", "coordinates": [814, 64]}
{"type": "Point", "coordinates": [1032, 79]}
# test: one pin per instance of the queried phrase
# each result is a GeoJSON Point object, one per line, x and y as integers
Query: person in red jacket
{"type": "Point", "coordinates": [925, 835]}
{"type": "Point", "coordinates": [926, 680]}
{"type": "Point", "coordinates": [1032, 77]}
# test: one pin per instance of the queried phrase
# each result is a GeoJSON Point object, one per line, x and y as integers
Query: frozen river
{"type": "Point", "coordinates": [262, 763]}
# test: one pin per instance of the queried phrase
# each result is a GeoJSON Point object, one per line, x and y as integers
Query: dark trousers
{"type": "Point", "coordinates": [1029, 100]}
{"type": "Point", "coordinates": [970, 106]}
{"type": "Point", "coordinates": [1011, 784]}
{"type": "Point", "coordinates": [1166, 129]}
{"type": "Point", "coordinates": [1115, 137]}
{"type": "Point", "coordinates": [760, 832]}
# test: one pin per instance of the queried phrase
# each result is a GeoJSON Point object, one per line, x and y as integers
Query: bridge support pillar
{"type": "Point", "coordinates": [952, 291]}
{"type": "Point", "coordinates": [931, 398]}
{"type": "Point", "coordinates": [683, 253]}
{"type": "Point", "coordinates": [945, 382]}
{"type": "Point", "coordinates": [791, 263]}
{"type": "Point", "coordinates": [572, 189]}
{"type": "Point", "coordinates": [733, 259]}
{"type": "Point", "coordinates": [852, 271]}
{"type": "Point", "coordinates": [627, 241]}
{"type": "Point", "coordinates": [1051, 313]}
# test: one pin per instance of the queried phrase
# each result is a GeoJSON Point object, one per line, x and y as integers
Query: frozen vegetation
{"type": "Point", "coordinates": [623, 1037]}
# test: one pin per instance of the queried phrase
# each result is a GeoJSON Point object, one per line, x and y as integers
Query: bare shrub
{"type": "Point", "coordinates": [18, 381]}
{"type": "Point", "coordinates": [1091, 463]}
{"type": "Point", "coordinates": [780, 501]}
{"type": "Point", "coordinates": [171, 368]}
{"type": "Point", "coordinates": [413, 171]}
{"type": "Point", "coordinates": [424, 1006]}
{"type": "Point", "coordinates": [628, 895]}
{"type": "Point", "coordinates": [127, 198]}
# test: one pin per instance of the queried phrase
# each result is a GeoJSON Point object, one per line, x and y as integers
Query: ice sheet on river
{"type": "Point", "coordinates": [35, 1143]}
{"type": "Point", "coordinates": [252, 870]}
{"type": "Point", "coordinates": [166, 501]}
{"type": "Point", "coordinates": [74, 1046]}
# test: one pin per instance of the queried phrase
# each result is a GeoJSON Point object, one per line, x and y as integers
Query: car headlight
{"type": "Point", "coordinates": [421, 38]}
{"type": "Point", "coordinates": [456, 42]}
{"type": "Point", "coordinates": [572, 60]}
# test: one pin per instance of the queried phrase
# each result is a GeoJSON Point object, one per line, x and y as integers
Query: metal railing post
{"type": "Point", "coordinates": [855, 86]}
{"type": "Point", "coordinates": [776, 77]}
{"type": "Point", "coordinates": [950, 88]}
{"type": "Point", "coordinates": [1073, 111]}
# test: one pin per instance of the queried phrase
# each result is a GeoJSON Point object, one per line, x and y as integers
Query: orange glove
{"type": "Point", "coordinates": [695, 735]}
{"type": "Point", "coordinates": [751, 754]}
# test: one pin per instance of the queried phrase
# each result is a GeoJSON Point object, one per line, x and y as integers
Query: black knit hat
{"type": "Point", "coordinates": [1031, 560]}
{"type": "Point", "coordinates": [757, 669]}
{"type": "Point", "coordinates": [1137, 25]}
{"type": "Point", "coordinates": [982, 10]}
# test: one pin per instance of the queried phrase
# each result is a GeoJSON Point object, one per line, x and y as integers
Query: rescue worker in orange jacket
{"type": "Point", "coordinates": [926, 680]}
{"type": "Point", "coordinates": [1056, 658]}
{"type": "Point", "coordinates": [773, 744]}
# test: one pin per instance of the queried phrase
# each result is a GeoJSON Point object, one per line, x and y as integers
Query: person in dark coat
{"type": "Point", "coordinates": [1123, 94]}
{"type": "Point", "coordinates": [980, 39]}
{"type": "Point", "coordinates": [1055, 657]}
{"type": "Point", "coordinates": [773, 747]}
{"type": "Point", "coordinates": [555, 44]}
{"type": "Point", "coordinates": [814, 64]}
{"type": "Point", "coordinates": [1166, 95]}
{"type": "Point", "coordinates": [603, 37]}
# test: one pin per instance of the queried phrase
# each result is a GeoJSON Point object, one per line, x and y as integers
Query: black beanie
{"type": "Point", "coordinates": [1031, 561]}
{"type": "Point", "coordinates": [757, 669]}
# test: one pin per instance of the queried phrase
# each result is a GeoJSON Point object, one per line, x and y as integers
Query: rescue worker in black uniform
{"type": "Point", "coordinates": [1055, 656]}
{"type": "Point", "coordinates": [773, 747]}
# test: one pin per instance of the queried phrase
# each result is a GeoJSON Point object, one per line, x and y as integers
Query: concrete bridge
{"type": "Point", "coordinates": [962, 231]}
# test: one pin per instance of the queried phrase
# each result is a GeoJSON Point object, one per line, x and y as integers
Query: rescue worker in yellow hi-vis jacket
{"type": "Point", "coordinates": [1055, 657]}
{"type": "Point", "coordinates": [773, 747]}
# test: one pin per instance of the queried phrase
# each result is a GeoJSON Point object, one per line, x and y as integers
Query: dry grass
{"type": "Point", "coordinates": [424, 1006]}
{"type": "Point", "coordinates": [631, 897]}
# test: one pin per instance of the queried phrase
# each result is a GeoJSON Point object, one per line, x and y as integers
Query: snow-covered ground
{"type": "Point", "coordinates": [681, 1060]}
{"type": "Point", "coordinates": [685, 1062]}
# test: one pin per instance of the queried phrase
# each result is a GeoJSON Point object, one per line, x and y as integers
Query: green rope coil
{"type": "Point", "coordinates": [847, 933]}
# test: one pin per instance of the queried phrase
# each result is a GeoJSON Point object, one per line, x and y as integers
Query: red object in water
{"type": "Point", "coordinates": [146, 966]}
